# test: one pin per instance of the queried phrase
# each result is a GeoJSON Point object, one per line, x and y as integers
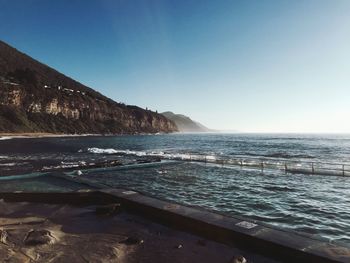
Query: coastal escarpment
{"type": "Point", "coordinates": [185, 124]}
{"type": "Point", "coordinates": [37, 98]}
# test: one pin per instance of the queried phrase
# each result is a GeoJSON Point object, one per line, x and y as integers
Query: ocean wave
{"type": "Point", "coordinates": [13, 164]}
{"type": "Point", "coordinates": [8, 164]}
{"type": "Point", "coordinates": [65, 165]}
{"type": "Point", "coordinates": [160, 154]}
{"type": "Point", "coordinates": [101, 151]}
{"type": "Point", "coordinates": [62, 166]}
{"type": "Point", "coordinates": [114, 151]}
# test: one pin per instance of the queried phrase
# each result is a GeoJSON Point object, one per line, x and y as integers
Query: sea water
{"type": "Point", "coordinates": [316, 205]}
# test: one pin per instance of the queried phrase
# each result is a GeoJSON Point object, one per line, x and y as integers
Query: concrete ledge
{"type": "Point", "coordinates": [285, 246]}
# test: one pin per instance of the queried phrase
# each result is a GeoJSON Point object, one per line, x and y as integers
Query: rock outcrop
{"type": "Point", "coordinates": [37, 98]}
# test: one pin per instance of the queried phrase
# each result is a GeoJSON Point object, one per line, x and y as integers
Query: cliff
{"type": "Point", "coordinates": [184, 123]}
{"type": "Point", "coordinates": [37, 98]}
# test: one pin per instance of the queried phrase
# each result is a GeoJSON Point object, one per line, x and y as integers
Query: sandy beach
{"type": "Point", "coordinates": [8, 136]}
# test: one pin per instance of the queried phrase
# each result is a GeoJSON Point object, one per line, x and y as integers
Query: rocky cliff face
{"type": "Point", "coordinates": [36, 98]}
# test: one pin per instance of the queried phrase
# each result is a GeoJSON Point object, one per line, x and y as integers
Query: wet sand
{"type": "Point", "coordinates": [8, 136]}
{"type": "Point", "coordinates": [61, 233]}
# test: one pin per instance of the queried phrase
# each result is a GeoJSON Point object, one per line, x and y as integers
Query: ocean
{"type": "Point", "coordinates": [236, 174]}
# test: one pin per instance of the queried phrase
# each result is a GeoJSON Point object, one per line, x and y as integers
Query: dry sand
{"type": "Point", "coordinates": [78, 234]}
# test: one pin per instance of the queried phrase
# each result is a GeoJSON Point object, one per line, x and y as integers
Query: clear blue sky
{"type": "Point", "coordinates": [259, 66]}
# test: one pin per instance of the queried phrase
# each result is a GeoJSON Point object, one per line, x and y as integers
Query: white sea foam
{"type": "Point", "coordinates": [8, 164]}
{"type": "Point", "coordinates": [62, 166]}
{"type": "Point", "coordinates": [161, 154]}
{"type": "Point", "coordinates": [114, 151]}
{"type": "Point", "coordinates": [101, 151]}
{"type": "Point", "coordinates": [212, 158]}
{"type": "Point", "coordinates": [127, 152]}
{"type": "Point", "coordinates": [5, 138]}
{"type": "Point", "coordinates": [13, 164]}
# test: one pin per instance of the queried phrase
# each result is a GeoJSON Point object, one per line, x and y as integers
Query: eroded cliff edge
{"type": "Point", "coordinates": [37, 98]}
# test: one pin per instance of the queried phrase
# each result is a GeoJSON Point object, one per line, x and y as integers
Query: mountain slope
{"type": "Point", "coordinates": [184, 123]}
{"type": "Point", "coordinates": [37, 98]}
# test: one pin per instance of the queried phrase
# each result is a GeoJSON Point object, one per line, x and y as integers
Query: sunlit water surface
{"type": "Point", "coordinates": [315, 205]}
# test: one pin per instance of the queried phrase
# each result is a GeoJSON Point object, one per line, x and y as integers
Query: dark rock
{"type": "Point", "coordinates": [38, 237]}
{"type": "Point", "coordinates": [110, 209]}
{"type": "Point", "coordinates": [149, 160]}
{"type": "Point", "coordinates": [201, 242]}
{"type": "Point", "coordinates": [132, 241]}
{"type": "Point", "coordinates": [102, 164]}
{"type": "Point", "coordinates": [238, 259]}
{"type": "Point", "coordinates": [3, 236]}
